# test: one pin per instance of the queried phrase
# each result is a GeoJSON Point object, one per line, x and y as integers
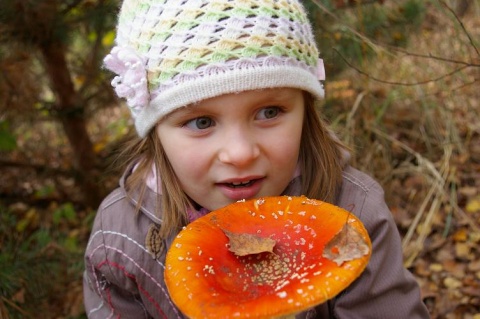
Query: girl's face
{"type": "Point", "coordinates": [235, 146]}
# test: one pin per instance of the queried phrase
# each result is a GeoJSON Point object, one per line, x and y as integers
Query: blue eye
{"type": "Point", "coordinates": [268, 112]}
{"type": "Point", "coordinates": [200, 123]}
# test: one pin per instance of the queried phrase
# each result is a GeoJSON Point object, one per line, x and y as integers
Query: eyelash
{"type": "Point", "coordinates": [194, 121]}
{"type": "Point", "coordinates": [276, 108]}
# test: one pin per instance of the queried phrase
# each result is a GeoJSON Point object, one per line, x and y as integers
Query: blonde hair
{"type": "Point", "coordinates": [320, 163]}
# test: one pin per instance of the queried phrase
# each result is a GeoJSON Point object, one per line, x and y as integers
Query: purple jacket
{"type": "Point", "coordinates": [122, 280]}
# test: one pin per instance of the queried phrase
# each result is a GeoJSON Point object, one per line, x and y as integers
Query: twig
{"type": "Point", "coordinates": [432, 57]}
{"type": "Point", "coordinates": [349, 125]}
{"type": "Point", "coordinates": [401, 83]}
{"type": "Point", "coordinates": [462, 25]}
{"type": "Point", "coordinates": [358, 34]}
{"type": "Point", "coordinates": [13, 305]}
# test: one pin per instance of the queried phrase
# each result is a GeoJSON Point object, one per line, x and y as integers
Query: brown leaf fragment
{"type": "Point", "coordinates": [346, 245]}
{"type": "Point", "coordinates": [249, 244]}
{"type": "Point", "coordinates": [153, 241]}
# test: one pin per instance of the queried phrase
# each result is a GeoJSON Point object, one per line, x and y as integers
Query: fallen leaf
{"type": "Point", "coordinates": [249, 244]}
{"type": "Point", "coordinates": [436, 267]}
{"type": "Point", "coordinates": [474, 265]}
{"type": "Point", "coordinates": [460, 235]}
{"type": "Point", "coordinates": [347, 245]}
{"type": "Point", "coordinates": [473, 205]}
{"type": "Point", "coordinates": [452, 283]}
{"type": "Point", "coordinates": [463, 250]}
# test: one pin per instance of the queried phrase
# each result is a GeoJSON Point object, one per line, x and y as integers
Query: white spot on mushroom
{"type": "Point", "coordinates": [297, 228]}
{"type": "Point", "coordinates": [180, 258]}
{"type": "Point", "coordinates": [282, 294]}
{"type": "Point", "coordinates": [302, 213]}
{"type": "Point", "coordinates": [209, 269]}
{"type": "Point", "coordinates": [282, 284]}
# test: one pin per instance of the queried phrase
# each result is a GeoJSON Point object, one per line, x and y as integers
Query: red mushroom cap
{"type": "Point", "coordinates": [265, 258]}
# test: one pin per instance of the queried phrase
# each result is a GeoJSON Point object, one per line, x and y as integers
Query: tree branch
{"type": "Point", "coordinates": [433, 57]}
{"type": "Point", "coordinates": [400, 83]}
{"type": "Point", "coordinates": [461, 24]}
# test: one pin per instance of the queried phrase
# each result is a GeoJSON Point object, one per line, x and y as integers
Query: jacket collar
{"type": "Point", "coordinates": [151, 202]}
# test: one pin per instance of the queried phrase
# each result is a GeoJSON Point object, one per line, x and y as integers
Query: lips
{"type": "Point", "coordinates": [241, 188]}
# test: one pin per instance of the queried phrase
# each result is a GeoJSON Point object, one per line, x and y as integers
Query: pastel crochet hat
{"type": "Point", "coordinates": [172, 53]}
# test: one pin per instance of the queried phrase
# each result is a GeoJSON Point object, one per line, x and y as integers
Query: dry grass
{"type": "Point", "coordinates": [413, 119]}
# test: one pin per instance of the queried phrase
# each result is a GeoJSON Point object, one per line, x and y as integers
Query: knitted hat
{"type": "Point", "coordinates": [172, 53]}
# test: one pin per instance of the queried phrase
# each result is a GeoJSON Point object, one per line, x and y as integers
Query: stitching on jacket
{"type": "Point", "coordinates": [355, 181]}
{"type": "Point", "coordinates": [142, 290]}
{"type": "Point", "coordinates": [142, 247]}
{"type": "Point", "coordinates": [118, 195]}
{"type": "Point", "coordinates": [100, 306]}
{"type": "Point", "coordinates": [351, 178]}
{"type": "Point", "coordinates": [147, 212]}
{"type": "Point", "coordinates": [159, 285]}
{"type": "Point", "coordinates": [109, 298]}
{"type": "Point", "coordinates": [114, 197]}
{"type": "Point", "coordinates": [147, 274]}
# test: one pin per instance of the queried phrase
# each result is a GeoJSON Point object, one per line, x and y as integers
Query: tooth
{"type": "Point", "coordinates": [240, 183]}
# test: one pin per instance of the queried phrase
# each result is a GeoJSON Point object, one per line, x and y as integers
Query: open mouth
{"type": "Point", "coordinates": [241, 184]}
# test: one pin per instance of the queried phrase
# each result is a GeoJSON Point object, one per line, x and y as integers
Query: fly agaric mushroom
{"type": "Point", "coordinates": [265, 258]}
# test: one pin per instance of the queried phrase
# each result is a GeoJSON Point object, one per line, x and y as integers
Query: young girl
{"type": "Point", "coordinates": [223, 95]}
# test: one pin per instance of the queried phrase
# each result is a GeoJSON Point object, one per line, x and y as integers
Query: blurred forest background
{"type": "Point", "coordinates": [402, 89]}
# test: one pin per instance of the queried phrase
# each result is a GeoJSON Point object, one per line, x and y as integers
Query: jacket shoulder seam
{"type": "Point", "coordinates": [114, 197]}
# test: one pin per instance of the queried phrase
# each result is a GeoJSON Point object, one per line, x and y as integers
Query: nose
{"type": "Point", "coordinates": [239, 147]}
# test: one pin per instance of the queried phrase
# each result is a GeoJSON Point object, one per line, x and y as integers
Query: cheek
{"type": "Point", "coordinates": [186, 160]}
{"type": "Point", "coordinates": [189, 160]}
{"type": "Point", "coordinates": [286, 143]}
